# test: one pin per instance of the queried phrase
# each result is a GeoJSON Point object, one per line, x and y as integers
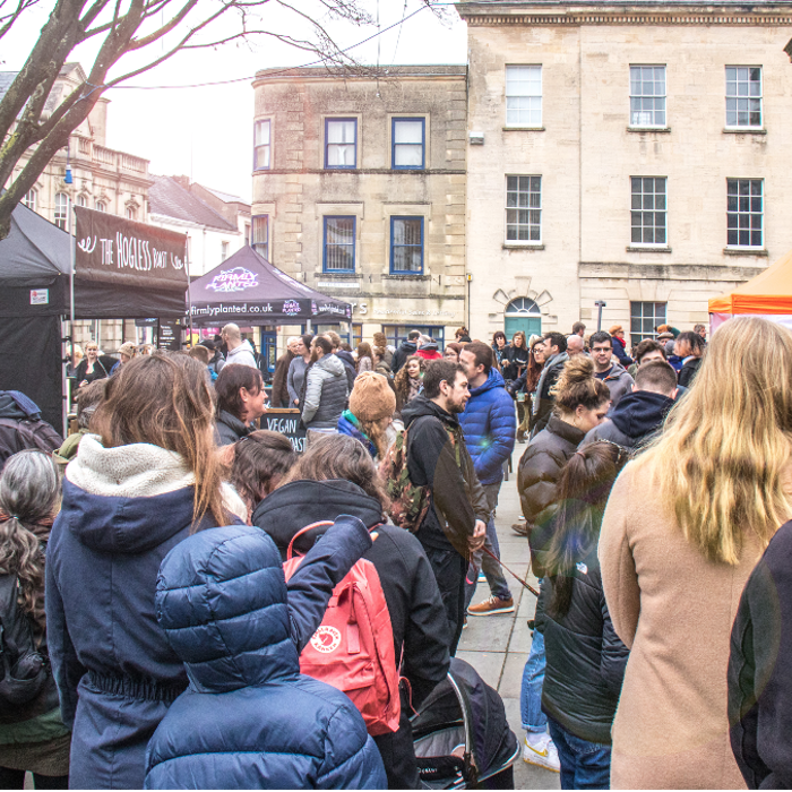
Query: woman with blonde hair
{"type": "Point", "coordinates": [685, 525]}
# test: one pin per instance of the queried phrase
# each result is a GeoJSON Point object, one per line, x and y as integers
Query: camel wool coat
{"type": "Point", "coordinates": [674, 609]}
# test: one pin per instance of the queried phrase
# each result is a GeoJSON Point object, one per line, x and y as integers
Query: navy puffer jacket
{"type": "Point", "coordinates": [249, 719]}
{"type": "Point", "coordinates": [489, 427]}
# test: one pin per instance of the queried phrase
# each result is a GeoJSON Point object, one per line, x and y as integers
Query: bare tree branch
{"type": "Point", "coordinates": [34, 125]}
{"type": "Point", "coordinates": [7, 18]}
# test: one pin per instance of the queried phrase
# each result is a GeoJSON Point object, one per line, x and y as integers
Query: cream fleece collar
{"type": "Point", "coordinates": [132, 471]}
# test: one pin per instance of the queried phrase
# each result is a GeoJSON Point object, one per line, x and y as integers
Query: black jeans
{"type": "Point", "coordinates": [449, 568]}
{"type": "Point", "coordinates": [15, 779]}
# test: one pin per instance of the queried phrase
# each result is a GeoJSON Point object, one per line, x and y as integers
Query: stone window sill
{"type": "Point", "coordinates": [648, 249]}
{"type": "Point", "coordinates": [744, 131]}
{"type": "Point", "coordinates": [523, 129]}
{"type": "Point", "coordinates": [660, 130]}
{"type": "Point", "coordinates": [524, 246]}
{"type": "Point", "coordinates": [735, 251]}
{"type": "Point", "coordinates": [418, 276]}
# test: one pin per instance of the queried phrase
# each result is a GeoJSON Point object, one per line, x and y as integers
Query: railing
{"type": "Point", "coordinates": [104, 155]}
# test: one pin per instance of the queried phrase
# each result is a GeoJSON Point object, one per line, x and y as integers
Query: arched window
{"type": "Point", "coordinates": [30, 199]}
{"type": "Point", "coordinates": [522, 306]}
{"type": "Point", "coordinates": [523, 314]}
{"type": "Point", "coordinates": [131, 213]}
{"type": "Point", "coordinates": [82, 201]}
{"type": "Point", "coordinates": [100, 206]}
{"type": "Point", "coordinates": [61, 210]}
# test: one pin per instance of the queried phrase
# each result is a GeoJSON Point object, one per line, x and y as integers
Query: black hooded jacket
{"type": "Point", "coordinates": [406, 348]}
{"type": "Point", "coordinates": [458, 499]}
{"type": "Point", "coordinates": [633, 420]}
{"type": "Point", "coordinates": [760, 670]}
{"type": "Point", "coordinates": [417, 614]}
{"type": "Point", "coordinates": [585, 658]}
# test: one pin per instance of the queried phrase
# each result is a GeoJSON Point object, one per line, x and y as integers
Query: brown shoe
{"type": "Point", "coordinates": [492, 606]}
{"type": "Point", "coordinates": [520, 528]}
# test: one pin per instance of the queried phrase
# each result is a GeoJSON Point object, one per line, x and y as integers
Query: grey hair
{"type": "Point", "coordinates": [29, 486]}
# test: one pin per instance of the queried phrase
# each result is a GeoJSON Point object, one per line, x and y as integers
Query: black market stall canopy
{"type": "Point", "coordinates": [127, 270]}
{"type": "Point", "coordinates": [34, 290]}
{"type": "Point", "coordinates": [247, 289]}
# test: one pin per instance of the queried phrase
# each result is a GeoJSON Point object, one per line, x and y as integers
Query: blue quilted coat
{"type": "Point", "coordinates": [249, 719]}
{"type": "Point", "coordinates": [489, 426]}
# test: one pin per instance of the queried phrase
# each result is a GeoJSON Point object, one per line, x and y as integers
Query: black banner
{"type": "Point", "coordinates": [126, 253]}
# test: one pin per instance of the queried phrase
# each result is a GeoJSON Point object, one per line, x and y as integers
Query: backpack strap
{"type": "Point", "coordinates": [303, 531]}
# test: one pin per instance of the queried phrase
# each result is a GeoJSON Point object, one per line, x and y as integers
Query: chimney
{"type": "Point", "coordinates": [182, 181]}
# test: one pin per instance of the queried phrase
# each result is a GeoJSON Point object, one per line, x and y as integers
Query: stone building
{"type": "Point", "coordinates": [359, 190]}
{"type": "Point", "coordinates": [635, 153]}
{"type": "Point", "coordinates": [102, 178]}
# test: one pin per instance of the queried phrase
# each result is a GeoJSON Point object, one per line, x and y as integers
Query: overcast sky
{"type": "Point", "coordinates": [206, 132]}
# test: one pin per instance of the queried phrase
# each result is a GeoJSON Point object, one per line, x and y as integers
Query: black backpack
{"type": "Point", "coordinates": [24, 669]}
{"type": "Point", "coordinates": [17, 434]}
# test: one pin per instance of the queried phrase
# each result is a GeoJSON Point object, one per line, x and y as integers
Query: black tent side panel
{"type": "Point", "coordinates": [42, 300]}
{"type": "Point", "coordinates": [101, 301]}
{"type": "Point", "coordinates": [31, 363]}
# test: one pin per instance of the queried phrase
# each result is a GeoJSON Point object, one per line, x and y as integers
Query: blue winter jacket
{"type": "Point", "coordinates": [348, 425]}
{"type": "Point", "coordinates": [249, 719]}
{"type": "Point", "coordinates": [489, 426]}
{"type": "Point", "coordinates": [116, 673]}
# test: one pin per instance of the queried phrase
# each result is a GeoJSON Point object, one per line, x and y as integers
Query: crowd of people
{"type": "Point", "coordinates": [175, 583]}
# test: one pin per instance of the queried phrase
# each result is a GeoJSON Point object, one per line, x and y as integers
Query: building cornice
{"type": "Point", "coordinates": [628, 13]}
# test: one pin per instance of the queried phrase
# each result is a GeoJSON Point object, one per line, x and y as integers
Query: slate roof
{"type": "Point", "coordinates": [225, 197]}
{"type": "Point", "coordinates": [167, 197]}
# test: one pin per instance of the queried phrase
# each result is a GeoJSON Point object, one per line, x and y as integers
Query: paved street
{"type": "Point", "coordinates": [498, 646]}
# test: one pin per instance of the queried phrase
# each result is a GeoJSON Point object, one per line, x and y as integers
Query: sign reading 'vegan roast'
{"type": "Point", "coordinates": [114, 250]}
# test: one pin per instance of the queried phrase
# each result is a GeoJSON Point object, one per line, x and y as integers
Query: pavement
{"type": "Point", "coordinates": [497, 646]}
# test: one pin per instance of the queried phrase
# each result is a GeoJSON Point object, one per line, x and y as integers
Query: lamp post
{"type": "Point", "coordinates": [469, 279]}
{"type": "Point", "coordinates": [600, 304]}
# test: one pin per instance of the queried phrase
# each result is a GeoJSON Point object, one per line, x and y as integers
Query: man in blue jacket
{"type": "Point", "coordinates": [489, 427]}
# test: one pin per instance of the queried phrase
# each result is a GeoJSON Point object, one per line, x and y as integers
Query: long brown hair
{"type": "Point", "coordinates": [164, 399]}
{"type": "Point", "coordinates": [29, 493]}
{"type": "Point", "coordinates": [401, 381]}
{"type": "Point", "coordinates": [723, 459]}
{"type": "Point", "coordinates": [364, 350]}
{"type": "Point", "coordinates": [260, 460]}
{"type": "Point", "coordinates": [583, 490]}
{"type": "Point", "coordinates": [534, 370]}
{"type": "Point", "coordinates": [340, 457]}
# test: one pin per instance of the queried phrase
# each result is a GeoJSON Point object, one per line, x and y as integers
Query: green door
{"type": "Point", "coordinates": [523, 314]}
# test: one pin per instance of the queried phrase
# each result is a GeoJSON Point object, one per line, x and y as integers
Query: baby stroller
{"type": "Point", "coordinates": [461, 736]}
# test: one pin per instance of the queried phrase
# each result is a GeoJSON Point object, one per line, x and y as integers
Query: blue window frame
{"type": "Point", "coordinates": [408, 143]}
{"type": "Point", "coordinates": [407, 241]}
{"type": "Point", "coordinates": [340, 143]}
{"type": "Point", "coordinates": [262, 145]}
{"type": "Point", "coordinates": [339, 244]}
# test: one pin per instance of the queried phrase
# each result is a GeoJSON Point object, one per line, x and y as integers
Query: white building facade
{"type": "Point", "coordinates": [630, 153]}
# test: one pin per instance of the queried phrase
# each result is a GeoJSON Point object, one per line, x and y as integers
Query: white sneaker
{"type": "Point", "coordinates": [539, 750]}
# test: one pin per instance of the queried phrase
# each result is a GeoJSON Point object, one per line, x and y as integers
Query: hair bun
{"type": "Point", "coordinates": [577, 369]}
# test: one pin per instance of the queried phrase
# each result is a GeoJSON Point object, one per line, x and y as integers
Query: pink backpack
{"type": "Point", "coordinates": [352, 650]}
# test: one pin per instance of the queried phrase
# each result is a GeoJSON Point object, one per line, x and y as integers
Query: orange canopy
{"type": "Point", "coordinates": [770, 292]}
